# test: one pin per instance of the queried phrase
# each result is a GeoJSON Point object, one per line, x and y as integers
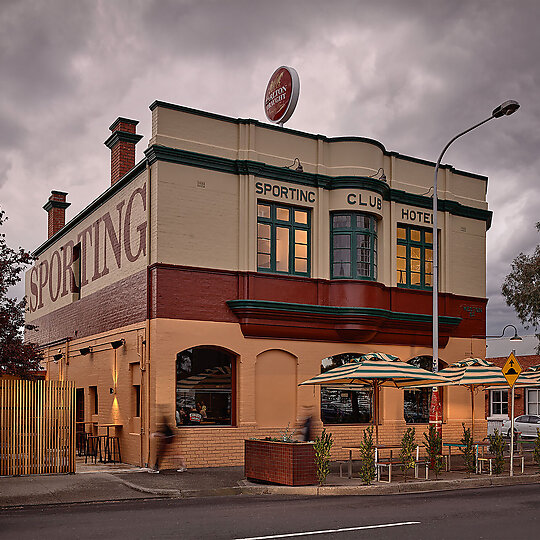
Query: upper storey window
{"type": "Point", "coordinates": [354, 246]}
{"type": "Point", "coordinates": [414, 257]}
{"type": "Point", "coordinates": [283, 239]}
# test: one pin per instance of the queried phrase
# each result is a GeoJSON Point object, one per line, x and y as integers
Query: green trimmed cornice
{"type": "Point", "coordinates": [334, 311]}
{"type": "Point", "coordinates": [272, 127]}
{"type": "Point", "coordinates": [283, 174]}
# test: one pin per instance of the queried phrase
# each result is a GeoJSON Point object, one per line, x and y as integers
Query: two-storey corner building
{"type": "Point", "coordinates": [238, 259]}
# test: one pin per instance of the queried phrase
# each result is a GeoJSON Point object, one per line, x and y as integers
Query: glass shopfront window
{"type": "Point", "coordinates": [416, 402]}
{"type": "Point", "coordinates": [498, 402]}
{"type": "Point", "coordinates": [344, 404]}
{"type": "Point", "coordinates": [204, 387]}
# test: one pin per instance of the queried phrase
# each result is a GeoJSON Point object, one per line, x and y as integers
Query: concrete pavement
{"type": "Point", "coordinates": [98, 483]}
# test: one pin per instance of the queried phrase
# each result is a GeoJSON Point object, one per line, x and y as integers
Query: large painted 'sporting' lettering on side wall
{"type": "Point", "coordinates": [111, 242]}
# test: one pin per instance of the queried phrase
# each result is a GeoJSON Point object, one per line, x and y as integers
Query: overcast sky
{"type": "Point", "coordinates": [410, 74]}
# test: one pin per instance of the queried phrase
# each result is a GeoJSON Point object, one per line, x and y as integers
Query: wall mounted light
{"type": "Point", "coordinates": [382, 175]}
{"type": "Point", "coordinates": [58, 357]}
{"type": "Point", "coordinates": [85, 350]}
{"type": "Point", "coordinates": [117, 344]}
{"type": "Point", "coordinates": [298, 167]}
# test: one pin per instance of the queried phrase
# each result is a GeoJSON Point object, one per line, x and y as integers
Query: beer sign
{"type": "Point", "coordinates": [281, 95]}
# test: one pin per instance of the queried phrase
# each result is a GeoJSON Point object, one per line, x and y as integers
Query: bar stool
{"type": "Point", "coordinates": [93, 446]}
{"type": "Point", "coordinates": [114, 450]}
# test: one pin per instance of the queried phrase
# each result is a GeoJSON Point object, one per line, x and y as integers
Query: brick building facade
{"type": "Point", "coordinates": [237, 259]}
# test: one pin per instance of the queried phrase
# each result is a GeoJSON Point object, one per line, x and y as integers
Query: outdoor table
{"type": "Point", "coordinates": [378, 448]}
{"type": "Point", "coordinates": [460, 445]}
{"type": "Point", "coordinates": [107, 439]}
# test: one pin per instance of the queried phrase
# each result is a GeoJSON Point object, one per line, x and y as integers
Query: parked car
{"type": "Point", "coordinates": [526, 424]}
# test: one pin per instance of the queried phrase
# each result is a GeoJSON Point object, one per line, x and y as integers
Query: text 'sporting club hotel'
{"type": "Point", "coordinates": [234, 261]}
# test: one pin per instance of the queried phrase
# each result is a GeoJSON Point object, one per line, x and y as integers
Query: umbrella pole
{"type": "Point", "coordinates": [376, 412]}
{"type": "Point", "coordinates": [472, 416]}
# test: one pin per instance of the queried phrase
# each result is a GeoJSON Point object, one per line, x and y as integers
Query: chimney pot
{"type": "Point", "coordinates": [56, 210]}
{"type": "Point", "coordinates": [122, 144]}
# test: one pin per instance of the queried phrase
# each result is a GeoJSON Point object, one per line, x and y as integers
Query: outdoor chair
{"type": "Point", "coordinates": [93, 446]}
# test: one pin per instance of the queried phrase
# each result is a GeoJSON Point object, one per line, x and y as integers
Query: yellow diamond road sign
{"type": "Point", "coordinates": [511, 369]}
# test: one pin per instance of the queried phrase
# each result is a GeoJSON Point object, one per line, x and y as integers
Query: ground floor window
{"type": "Point", "coordinates": [204, 386]}
{"type": "Point", "coordinates": [416, 402]}
{"type": "Point", "coordinates": [498, 402]}
{"type": "Point", "coordinates": [533, 401]}
{"type": "Point", "coordinates": [341, 404]}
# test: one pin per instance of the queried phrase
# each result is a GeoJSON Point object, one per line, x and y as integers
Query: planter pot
{"type": "Point", "coordinates": [290, 464]}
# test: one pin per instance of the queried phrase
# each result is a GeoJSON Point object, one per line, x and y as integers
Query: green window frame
{"type": "Point", "coordinates": [353, 250]}
{"type": "Point", "coordinates": [414, 257]}
{"type": "Point", "coordinates": [283, 239]}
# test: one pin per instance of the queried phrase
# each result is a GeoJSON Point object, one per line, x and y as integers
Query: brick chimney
{"type": "Point", "coordinates": [122, 144]}
{"type": "Point", "coordinates": [56, 210]}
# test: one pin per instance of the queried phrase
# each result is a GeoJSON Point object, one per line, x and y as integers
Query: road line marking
{"type": "Point", "coordinates": [382, 526]}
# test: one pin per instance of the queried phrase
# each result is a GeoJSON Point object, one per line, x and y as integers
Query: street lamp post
{"type": "Point", "coordinates": [435, 414]}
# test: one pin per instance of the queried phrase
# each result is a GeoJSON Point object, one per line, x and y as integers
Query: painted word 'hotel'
{"type": "Point", "coordinates": [238, 259]}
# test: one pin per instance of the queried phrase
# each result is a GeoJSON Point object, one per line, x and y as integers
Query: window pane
{"type": "Point", "coordinates": [300, 250]}
{"type": "Point", "coordinates": [415, 265]}
{"type": "Point", "coordinates": [263, 245]}
{"type": "Point", "coordinates": [282, 249]}
{"type": "Point", "coordinates": [415, 235]}
{"type": "Point", "coordinates": [428, 254]}
{"type": "Point", "coordinates": [362, 222]}
{"type": "Point", "coordinates": [263, 230]}
{"type": "Point", "coordinates": [429, 280]}
{"type": "Point", "coordinates": [415, 253]}
{"type": "Point", "coordinates": [401, 277]}
{"type": "Point", "coordinates": [342, 255]}
{"type": "Point", "coordinates": [362, 240]}
{"type": "Point", "coordinates": [401, 233]}
{"type": "Point", "coordinates": [282, 214]}
{"type": "Point", "coordinates": [300, 265]}
{"type": "Point", "coordinates": [342, 241]}
{"type": "Point", "coordinates": [263, 210]}
{"type": "Point", "coordinates": [300, 237]}
{"type": "Point", "coordinates": [401, 251]}
{"type": "Point", "coordinates": [341, 269]}
{"type": "Point", "coordinates": [402, 264]}
{"type": "Point", "coordinates": [300, 216]}
{"type": "Point", "coordinates": [362, 269]}
{"type": "Point", "coordinates": [415, 279]}
{"type": "Point", "coordinates": [342, 221]}
{"type": "Point", "coordinates": [263, 261]}
{"type": "Point", "coordinates": [429, 237]}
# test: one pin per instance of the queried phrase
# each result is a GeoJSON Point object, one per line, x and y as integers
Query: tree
{"type": "Point", "coordinates": [521, 288]}
{"type": "Point", "coordinates": [16, 356]}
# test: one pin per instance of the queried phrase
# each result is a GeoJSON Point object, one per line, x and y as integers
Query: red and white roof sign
{"type": "Point", "coordinates": [281, 94]}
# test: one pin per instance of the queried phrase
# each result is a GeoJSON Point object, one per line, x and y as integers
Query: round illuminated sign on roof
{"type": "Point", "coordinates": [281, 94]}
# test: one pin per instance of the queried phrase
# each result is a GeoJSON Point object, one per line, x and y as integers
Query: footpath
{"type": "Point", "coordinates": [100, 483]}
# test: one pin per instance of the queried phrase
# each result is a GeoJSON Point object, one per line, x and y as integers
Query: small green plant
{"type": "Point", "coordinates": [367, 457]}
{"type": "Point", "coordinates": [496, 447]}
{"type": "Point", "coordinates": [536, 449]}
{"type": "Point", "coordinates": [433, 444]}
{"type": "Point", "coordinates": [286, 436]}
{"type": "Point", "coordinates": [322, 447]}
{"type": "Point", "coordinates": [407, 451]}
{"type": "Point", "coordinates": [469, 454]}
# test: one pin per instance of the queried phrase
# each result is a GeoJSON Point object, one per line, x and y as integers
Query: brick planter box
{"type": "Point", "coordinates": [291, 464]}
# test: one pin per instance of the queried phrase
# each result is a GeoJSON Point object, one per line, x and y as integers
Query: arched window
{"type": "Point", "coordinates": [204, 387]}
{"type": "Point", "coordinates": [344, 404]}
{"type": "Point", "coordinates": [416, 402]}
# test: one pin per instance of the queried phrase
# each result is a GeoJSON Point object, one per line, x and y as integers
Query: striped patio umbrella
{"type": "Point", "coordinates": [375, 370]}
{"type": "Point", "coordinates": [474, 373]}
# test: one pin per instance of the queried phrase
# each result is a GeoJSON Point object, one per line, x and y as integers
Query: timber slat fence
{"type": "Point", "coordinates": [37, 427]}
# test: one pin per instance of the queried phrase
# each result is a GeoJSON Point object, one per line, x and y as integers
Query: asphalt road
{"type": "Point", "coordinates": [493, 513]}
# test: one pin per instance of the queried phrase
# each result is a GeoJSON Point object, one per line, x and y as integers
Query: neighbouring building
{"type": "Point", "coordinates": [238, 259]}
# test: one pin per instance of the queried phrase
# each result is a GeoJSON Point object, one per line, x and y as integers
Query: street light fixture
{"type": "Point", "coordinates": [504, 109]}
